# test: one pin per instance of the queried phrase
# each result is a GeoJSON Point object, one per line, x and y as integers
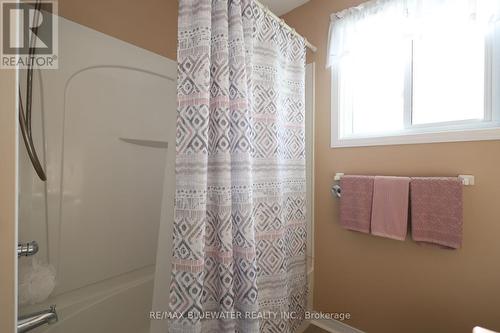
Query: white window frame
{"type": "Point", "coordinates": [454, 131]}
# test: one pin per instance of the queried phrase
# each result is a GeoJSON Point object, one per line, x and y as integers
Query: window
{"type": "Point", "coordinates": [414, 71]}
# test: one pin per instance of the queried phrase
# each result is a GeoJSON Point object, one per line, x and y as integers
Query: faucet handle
{"type": "Point", "coordinates": [27, 249]}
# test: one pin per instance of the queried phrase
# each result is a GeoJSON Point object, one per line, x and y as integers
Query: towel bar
{"type": "Point", "coordinates": [467, 180]}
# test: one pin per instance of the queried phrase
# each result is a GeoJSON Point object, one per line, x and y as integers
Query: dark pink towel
{"type": "Point", "coordinates": [356, 202]}
{"type": "Point", "coordinates": [390, 207]}
{"type": "Point", "coordinates": [436, 211]}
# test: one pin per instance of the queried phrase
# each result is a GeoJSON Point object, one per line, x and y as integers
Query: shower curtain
{"type": "Point", "coordinates": [239, 260]}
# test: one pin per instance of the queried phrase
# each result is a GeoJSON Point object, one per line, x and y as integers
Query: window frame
{"type": "Point", "coordinates": [452, 131]}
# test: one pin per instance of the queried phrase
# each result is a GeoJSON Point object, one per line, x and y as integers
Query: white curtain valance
{"type": "Point", "coordinates": [375, 23]}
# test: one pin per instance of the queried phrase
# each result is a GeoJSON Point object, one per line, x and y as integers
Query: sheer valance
{"type": "Point", "coordinates": [377, 24]}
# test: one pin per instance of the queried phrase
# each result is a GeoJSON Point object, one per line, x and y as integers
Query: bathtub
{"type": "Point", "coordinates": [120, 304]}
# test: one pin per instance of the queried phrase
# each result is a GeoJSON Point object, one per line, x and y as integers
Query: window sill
{"type": "Point", "coordinates": [411, 137]}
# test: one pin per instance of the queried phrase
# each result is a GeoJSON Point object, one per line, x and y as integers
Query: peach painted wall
{"type": "Point", "coordinates": [390, 286]}
{"type": "Point", "coordinates": [150, 24]}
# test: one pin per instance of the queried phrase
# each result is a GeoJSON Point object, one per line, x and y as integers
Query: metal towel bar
{"type": "Point", "coordinates": [467, 180]}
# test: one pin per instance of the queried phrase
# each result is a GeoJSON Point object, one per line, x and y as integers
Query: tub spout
{"type": "Point", "coordinates": [31, 321]}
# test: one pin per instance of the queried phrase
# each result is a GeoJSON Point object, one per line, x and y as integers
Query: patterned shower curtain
{"type": "Point", "coordinates": [239, 260]}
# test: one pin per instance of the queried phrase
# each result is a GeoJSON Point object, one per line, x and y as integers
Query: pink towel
{"type": "Point", "coordinates": [436, 211]}
{"type": "Point", "coordinates": [356, 202]}
{"type": "Point", "coordinates": [390, 207]}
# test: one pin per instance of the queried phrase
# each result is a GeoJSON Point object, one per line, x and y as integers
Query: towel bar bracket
{"type": "Point", "coordinates": [467, 180]}
{"type": "Point", "coordinates": [338, 175]}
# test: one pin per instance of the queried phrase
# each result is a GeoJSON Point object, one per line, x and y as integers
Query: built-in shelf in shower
{"type": "Point", "coordinates": [146, 143]}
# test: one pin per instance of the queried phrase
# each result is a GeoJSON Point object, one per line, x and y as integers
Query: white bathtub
{"type": "Point", "coordinates": [118, 305]}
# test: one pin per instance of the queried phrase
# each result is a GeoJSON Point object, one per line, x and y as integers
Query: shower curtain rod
{"type": "Point", "coordinates": [286, 26]}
